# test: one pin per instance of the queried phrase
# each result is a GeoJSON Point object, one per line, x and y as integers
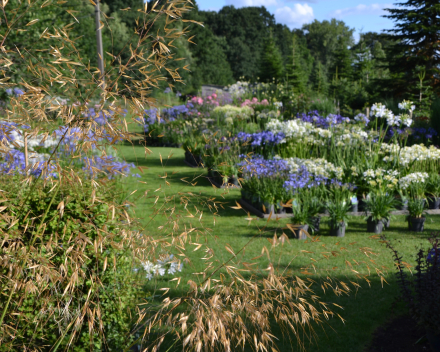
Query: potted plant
{"type": "Point", "coordinates": [433, 190]}
{"type": "Point", "coordinates": [314, 210]}
{"type": "Point", "coordinates": [301, 219]}
{"type": "Point", "coordinates": [421, 290]}
{"type": "Point", "coordinates": [338, 217]}
{"type": "Point", "coordinates": [416, 220]}
{"type": "Point", "coordinates": [378, 208]}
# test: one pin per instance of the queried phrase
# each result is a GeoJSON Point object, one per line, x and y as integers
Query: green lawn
{"type": "Point", "coordinates": [363, 311]}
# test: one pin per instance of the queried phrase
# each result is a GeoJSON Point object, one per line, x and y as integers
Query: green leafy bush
{"type": "Point", "coordinates": [76, 276]}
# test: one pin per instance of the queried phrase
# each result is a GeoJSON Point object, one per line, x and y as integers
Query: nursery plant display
{"type": "Point", "coordinates": [250, 143]}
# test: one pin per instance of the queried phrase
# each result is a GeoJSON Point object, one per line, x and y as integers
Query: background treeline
{"type": "Point", "coordinates": [321, 59]}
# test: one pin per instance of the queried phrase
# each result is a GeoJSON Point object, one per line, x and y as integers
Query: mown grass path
{"type": "Point", "coordinates": [364, 310]}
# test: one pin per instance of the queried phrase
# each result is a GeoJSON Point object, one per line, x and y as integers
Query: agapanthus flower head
{"type": "Point", "coordinates": [407, 105]}
{"type": "Point", "coordinates": [362, 118]}
{"type": "Point", "coordinates": [378, 110]}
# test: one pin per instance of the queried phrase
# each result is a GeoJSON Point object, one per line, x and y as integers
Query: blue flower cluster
{"type": "Point", "coordinates": [107, 164]}
{"type": "Point", "coordinates": [16, 91]}
{"type": "Point", "coordinates": [261, 138]}
{"type": "Point", "coordinates": [70, 142]}
{"type": "Point", "coordinates": [6, 130]}
{"type": "Point", "coordinates": [433, 253]}
{"type": "Point", "coordinates": [15, 163]}
{"type": "Point", "coordinates": [303, 179]}
{"type": "Point", "coordinates": [175, 111]}
{"type": "Point", "coordinates": [263, 168]}
{"type": "Point", "coordinates": [100, 117]}
{"type": "Point", "coordinates": [416, 133]}
{"type": "Point", "coordinates": [314, 118]}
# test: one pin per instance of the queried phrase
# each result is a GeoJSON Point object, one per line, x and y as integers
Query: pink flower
{"type": "Point", "coordinates": [214, 96]}
{"type": "Point", "coordinates": [254, 100]}
{"type": "Point", "coordinates": [264, 102]}
{"type": "Point", "coordinates": [200, 101]}
{"type": "Point", "coordinates": [198, 113]}
{"type": "Point", "coordinates": [209, 98]}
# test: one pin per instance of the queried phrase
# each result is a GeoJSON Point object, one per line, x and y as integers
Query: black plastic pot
{"type": "Point", "coordinates": [434, 203]}
{"type": "Point", "coordinates": [194, 160]}
{"type": "Point", "coordinates": [233, 181]}
{"type": "Point", "coordinates": [270, 208]}
{"type": "Point", "coordinates": [300, 231]}
{"type": "Point", "coordinates": [315, 222]}
{"type": "Point", "coordinates": [374, 226]}
{"type": "Point", "coordinates": [338, 231]}
{"type": "Point", "coordinates": [417, 224]}
{"type": "Point", "coordinates": [434, 341]}
{"type": "Point", "coordinates": [361, 205]}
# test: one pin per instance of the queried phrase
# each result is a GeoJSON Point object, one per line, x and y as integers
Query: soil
{"type": "Point", "coordinates": [401, 334]}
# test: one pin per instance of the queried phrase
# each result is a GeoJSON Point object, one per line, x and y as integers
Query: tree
{"type": "Point", "coordinates": [343, 60]}
{"type": "Point", "coordinates": [325, 39]}
{"type": "Point", "coordinates": [319, 78]}
{"type": "Point", "coordinates": [271, 65]}
{"type": "Point", "coordinates": [295, 74]}
{"type": "Point", "coordinates": [417, 38]}
{"type": "Point", "coordinates": [210, 62]}
{"type": "Point", "coordinates": [245, 31]}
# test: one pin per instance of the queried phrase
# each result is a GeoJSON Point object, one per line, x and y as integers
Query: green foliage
{"type": "Point", "coordinates": [80, 227]}
{"type": "Point", "coordinates": [416, 207]}
{"type": "Point", "coordinates": [295, 74]}
{"type": "Point", "coordinates": [417, 37]}
{"type": "Point", "coordinates": [271, 65]}
{"type": "Point", "coordinates": [380, 205]}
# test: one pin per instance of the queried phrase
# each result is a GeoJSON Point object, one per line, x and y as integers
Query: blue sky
{"type": "Point", "coordinates": [362, 15]}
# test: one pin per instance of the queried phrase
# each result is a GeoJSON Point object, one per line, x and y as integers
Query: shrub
{"type": "Point", "coordinates": [73, 270]}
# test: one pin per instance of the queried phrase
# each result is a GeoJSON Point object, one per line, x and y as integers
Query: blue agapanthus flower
{"type": "Point", "coordinates": [433, 254]}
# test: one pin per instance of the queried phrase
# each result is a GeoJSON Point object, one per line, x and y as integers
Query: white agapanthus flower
{"type": "Point", "coordinates": [406, 120]}
{"type": "Point", "coordinates": [407, 105]}
{"type": "Point", "coordinates": [378, 110]}
{"type": "Point", "coordinates": [167, 264]}
{"type": "Point", "coordinates": [392, 120]}
{"type": "Point", "coordinates": [316, 167]}
{"type": "Point", "coordinates": [278, 104]}
{"type": "Point", "coordinates": [414, 178]}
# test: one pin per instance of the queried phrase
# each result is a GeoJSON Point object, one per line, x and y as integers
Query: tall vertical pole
{"type": "Point", "coordinates": [99, 44]}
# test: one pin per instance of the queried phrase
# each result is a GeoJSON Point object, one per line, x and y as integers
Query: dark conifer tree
{"type": "Point", "coordinates": [271, 64]}
{"type": "Point", "coordinates": [295, 73]}
{"type": "Point", "coordinates": [417, 36]}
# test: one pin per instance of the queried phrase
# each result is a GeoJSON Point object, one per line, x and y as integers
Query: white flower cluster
{"type": "Point", "coordinates": [412, 179]}
{"type": "Point", "coordinates": [278, 104]}
{"type": "Point", "coordinates": [381, 177]}
{"type": "Point", "coordinates": [166, 265]}
{"type": "Point", "coordinates": [290, 128]}
{"type": "Point", "coordinates": [230, 112]}
{"type": "Point", "coordinates": [407, 105]}
{"type": "Point", "coordinates": [307, 133]}
{"type": "Point", "coordinates": [380, 111]}
{"type": "Point", "coordinates": [16, 136]}
{"type": "Point", "coordinates": [408, 155]}
{"type": "Point", "coordinates": [317, 167]}
{"type": "Point", "coordinates": [237, 89]}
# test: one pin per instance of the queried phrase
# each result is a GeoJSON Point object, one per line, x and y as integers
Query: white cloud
{"type": "Point", "coordinates": [244, 3]}
{"type": "Point", "coordinates": [361, 9]}
{"type": "Point", "coordinates": [294, 17]}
